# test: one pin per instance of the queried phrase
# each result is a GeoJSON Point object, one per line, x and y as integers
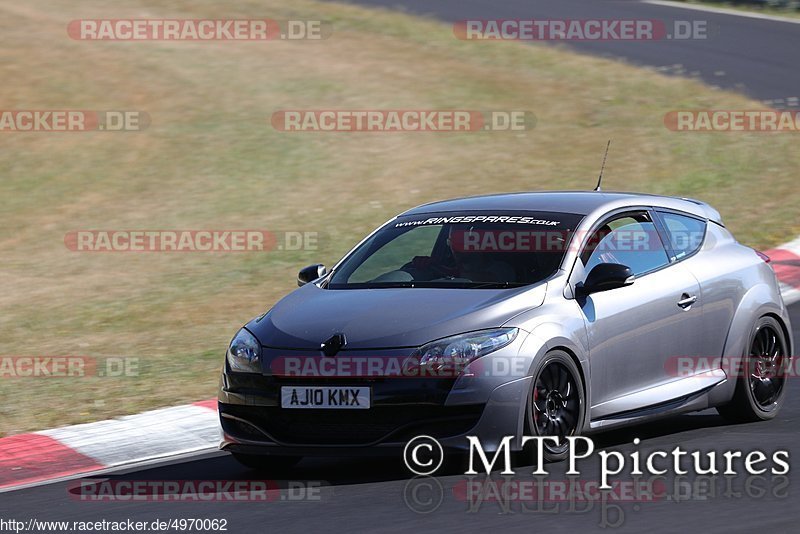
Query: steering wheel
{"type": "Point", "coordinates": [422, 264]}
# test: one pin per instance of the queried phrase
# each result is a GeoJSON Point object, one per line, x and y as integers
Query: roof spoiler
{"type": "Point", "coordinates": [710, 213]}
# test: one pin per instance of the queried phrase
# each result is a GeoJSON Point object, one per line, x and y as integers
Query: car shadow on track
{"type": "Point", "coordinates": [348, 471]}
{"type": "Point", "coordinates": [661, 428]}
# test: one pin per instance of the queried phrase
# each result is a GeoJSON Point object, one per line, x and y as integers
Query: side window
{"type": "Point", "coordinates": [630, 239]}
{"type": "Point", "coordinates": [686, 233]}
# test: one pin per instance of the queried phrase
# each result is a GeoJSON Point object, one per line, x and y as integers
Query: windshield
{"type": "Point", "coordinates": [466, 250]}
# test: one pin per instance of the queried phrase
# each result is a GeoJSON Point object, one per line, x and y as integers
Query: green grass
{"type": "Point", "coordinates": [210, 159]}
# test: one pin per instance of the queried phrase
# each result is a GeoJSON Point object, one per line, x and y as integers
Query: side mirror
{"type": "Point", "coordinates": [310, 273]}
{"type": "Point", "coordinates": [605, 276]}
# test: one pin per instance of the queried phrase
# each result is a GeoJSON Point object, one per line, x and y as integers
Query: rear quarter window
{"type": "Point", "coordinates": [686, 233]}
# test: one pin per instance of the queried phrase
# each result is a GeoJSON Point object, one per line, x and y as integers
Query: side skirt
{"type": "Point", "coordinates": [685, 395]}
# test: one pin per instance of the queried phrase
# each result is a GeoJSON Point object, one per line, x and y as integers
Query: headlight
{"type": "Point", "coordinates": [244, 353]}
{"type": "Point", "coordinates": [457, 351]}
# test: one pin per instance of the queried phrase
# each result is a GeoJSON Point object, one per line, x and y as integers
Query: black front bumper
{"type": "Point", "coordinates": [249, 426]}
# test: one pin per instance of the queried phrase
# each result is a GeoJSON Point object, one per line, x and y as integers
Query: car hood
{"type": "Point", "coordinates": [387, 318]}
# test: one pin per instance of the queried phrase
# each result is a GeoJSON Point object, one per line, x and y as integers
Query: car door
{"type": "Point", "coordinates": [686, 235]}
{"type": "Point", "coordinates": [635, 331]}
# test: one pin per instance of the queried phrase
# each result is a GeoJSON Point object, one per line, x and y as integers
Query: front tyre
{"type": "Point", "coordinates": [761, 386]}
{"type": "Point", "coordinates": [556, 404]}
{"type": "Point", "coordinates": [266, 463]}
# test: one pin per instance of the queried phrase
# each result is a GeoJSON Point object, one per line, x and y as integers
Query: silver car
{"type": "Point", "coordinates": [547, 313]}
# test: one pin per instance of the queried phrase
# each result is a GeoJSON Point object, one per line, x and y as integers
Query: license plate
{"type": "Point", "coordinates": [340, 398]}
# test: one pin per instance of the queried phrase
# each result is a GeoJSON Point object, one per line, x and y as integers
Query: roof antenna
{"type": "Point", "coordinates": [602, 167]}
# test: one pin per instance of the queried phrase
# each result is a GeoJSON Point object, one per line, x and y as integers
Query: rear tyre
{"type": "Point", "coordinates": [556, 404]}
{"type": "Point", "coordinates": [761, 386]}
{"type": "Point", "coordinates": [266, 463]}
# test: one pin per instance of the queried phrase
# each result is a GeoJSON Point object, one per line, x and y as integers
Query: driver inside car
{"type": "Point", "coordinates": [465, 263]}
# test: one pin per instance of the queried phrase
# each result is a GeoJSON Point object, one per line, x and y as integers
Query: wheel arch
{"type": "Point", "coordinates": [550, 337]}
{"type": "Point", "coordinates": [759, 301]}
{"type": "Point", "coordinates": [787, 334]}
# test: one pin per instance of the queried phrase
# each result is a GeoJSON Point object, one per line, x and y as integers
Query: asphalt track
{"type": "Point", "coordinates": [752, 56]}
{"type": "Point", "coordinates": [381, 494]}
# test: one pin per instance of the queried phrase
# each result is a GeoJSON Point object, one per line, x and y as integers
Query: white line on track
{"type": "Point", "coordinates": [722, 11]}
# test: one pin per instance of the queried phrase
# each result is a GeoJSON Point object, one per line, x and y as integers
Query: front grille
{"type": "Point", "coordinates": [354, 427]}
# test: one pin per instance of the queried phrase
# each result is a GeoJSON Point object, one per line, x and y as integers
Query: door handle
{"type": "Point", "coordinates": [687, 301]}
